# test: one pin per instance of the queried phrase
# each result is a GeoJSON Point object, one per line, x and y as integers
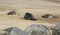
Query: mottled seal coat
{"type": "Point", "coordinates": [37, 29]}
{"type": "Point", "coordinates": [29, 16]}
{"type": "Point", "coordinates": [14, 31]}
{"type": "Point", "coordinates": [56, 30]}
{"type": "Point", "coordinates": [11, 13]}
{"type": "Point", "coordinates": [48, 16]}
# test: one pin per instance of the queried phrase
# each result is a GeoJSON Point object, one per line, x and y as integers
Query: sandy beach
{"type": "Point", "coordinates": [36, 7]}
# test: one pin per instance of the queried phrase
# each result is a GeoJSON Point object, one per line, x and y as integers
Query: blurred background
{"type": "Point", "coordinates": [36, 7]}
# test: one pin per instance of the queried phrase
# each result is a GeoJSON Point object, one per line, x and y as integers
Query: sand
{"type": "Point", "coordinates": [36, 7]}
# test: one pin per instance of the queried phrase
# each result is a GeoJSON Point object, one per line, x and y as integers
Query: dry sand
{"type": "Point", "coordinates": [15, 21]}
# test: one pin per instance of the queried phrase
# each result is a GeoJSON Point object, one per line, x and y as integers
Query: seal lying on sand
{"type": "Point", "coordinates": [12, 13]}
{"type": "Point", "coordinates": [36, 29]}
{"type": "Point", "coordinates": [29, 16]}
{"type": "Point", "coordinates": [56, 30]}
{"type": "Point", "coordinates": [48, 16]}
{"type": "Point", "coordinates": [13, 31]}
